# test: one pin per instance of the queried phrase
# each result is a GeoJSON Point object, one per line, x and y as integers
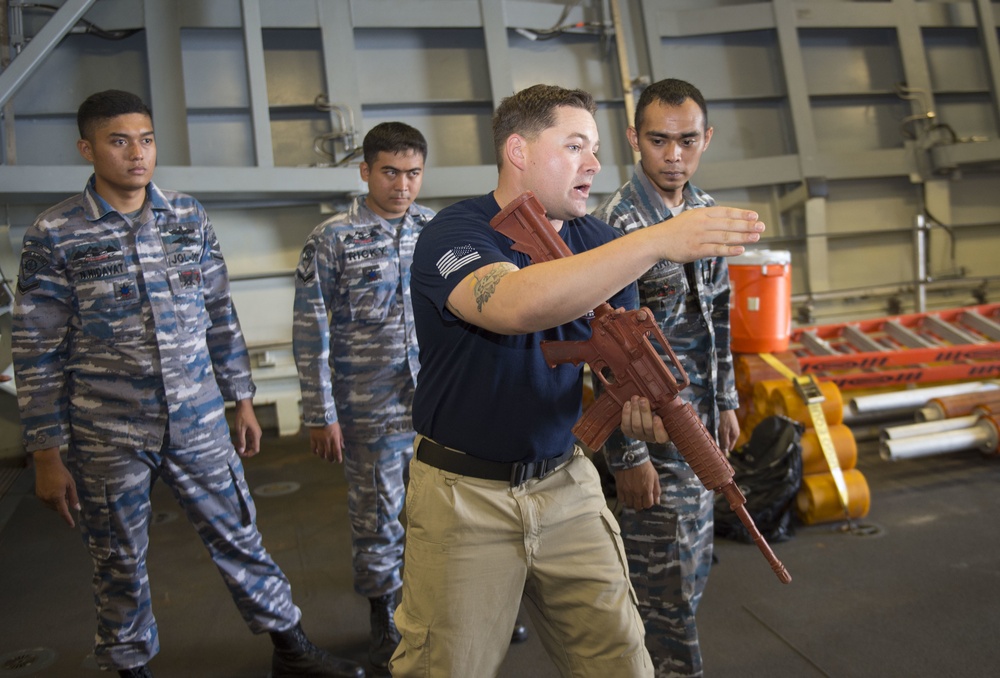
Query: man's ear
{"type": "Point", "coordinates": [85, 149]}
{"type": "Point", "coordinates": [633, 138]}
{"type": "Point", "coordinates": [708, 138]}
{"type": "Point", "coordinates": [515, 150]}
{"type": "Point", "coordinates": [366, 172]}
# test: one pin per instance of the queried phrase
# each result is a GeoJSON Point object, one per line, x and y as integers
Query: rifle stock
{"type": "Point", "coordinates": [620, 354]}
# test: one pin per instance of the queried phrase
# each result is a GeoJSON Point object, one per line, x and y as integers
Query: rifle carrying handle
{"type": "Point", "coordinates": [644, 317]}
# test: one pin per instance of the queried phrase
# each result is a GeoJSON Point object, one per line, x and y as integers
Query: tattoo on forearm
{"type": "Point", "coordinates": [487, 285]}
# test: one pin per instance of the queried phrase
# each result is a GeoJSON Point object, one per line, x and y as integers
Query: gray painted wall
{"type": "Point", "coordinates": [839, 121]}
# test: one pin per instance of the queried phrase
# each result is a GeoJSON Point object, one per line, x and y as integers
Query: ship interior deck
{"type": "Point", "coordinates": [913, 590]}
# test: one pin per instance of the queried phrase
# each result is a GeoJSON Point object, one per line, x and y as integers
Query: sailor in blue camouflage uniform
{"type": "Point", "coordinates": [666, 519]}
{"type": "Point", "coordinates": [126, 345]}
{"type": "Point", "coordinates": [356, 353]}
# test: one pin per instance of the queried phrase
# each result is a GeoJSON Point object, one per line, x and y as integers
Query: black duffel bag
{"type": "Point", "coordinates": [768, 470]}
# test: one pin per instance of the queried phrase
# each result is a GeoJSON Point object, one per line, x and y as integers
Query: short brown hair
{"type": "Point", "coordinates": [532, 110]}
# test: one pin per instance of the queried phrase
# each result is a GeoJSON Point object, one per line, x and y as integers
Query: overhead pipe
{"type": "Point", "coordinates": [920, 228]}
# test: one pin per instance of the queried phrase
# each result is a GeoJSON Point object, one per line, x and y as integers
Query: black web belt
{"type": "Point", "coordinates": [516, 473]}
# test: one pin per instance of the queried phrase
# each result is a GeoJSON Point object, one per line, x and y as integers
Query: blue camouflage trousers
{"type": "Point", "coordinates": [669, 548]}
{"type": "Point", "coordinates": [114, 487]}
{"type": "Point", "coordinates": [377, 472]}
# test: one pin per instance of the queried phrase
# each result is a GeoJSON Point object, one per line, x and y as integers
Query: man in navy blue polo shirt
{"type": "Point", "coordinates": [501, 501]}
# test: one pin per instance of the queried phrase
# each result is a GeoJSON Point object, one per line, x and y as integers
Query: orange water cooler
{"type": "Point", "coordinates": [761, 303]}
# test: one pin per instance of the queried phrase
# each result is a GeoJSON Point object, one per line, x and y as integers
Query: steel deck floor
{"type": "Point", "coordinates": [918, 598]}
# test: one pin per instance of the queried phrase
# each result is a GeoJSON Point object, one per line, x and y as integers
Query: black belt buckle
{"type": "Point", "coordinates": [520, 472]}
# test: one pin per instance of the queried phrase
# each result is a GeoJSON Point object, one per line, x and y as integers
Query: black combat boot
{"type": "Point", "coordinates": [136, 672]}
{"type": "Point", "coordinates": [384, 635]}
{"type": "Point", "coordinates": [295, 655]}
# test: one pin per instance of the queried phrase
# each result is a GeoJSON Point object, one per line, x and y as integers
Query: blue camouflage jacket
{"type": "Point", "coordinates": [691, 305]}
{"type": "Point", "coordinates": [354, 341]}
{"type": "Point", "coordinates": [124, 329]}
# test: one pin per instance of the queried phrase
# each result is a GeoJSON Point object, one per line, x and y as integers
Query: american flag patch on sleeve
{"type": "Point", "coordinates": [456, 258]}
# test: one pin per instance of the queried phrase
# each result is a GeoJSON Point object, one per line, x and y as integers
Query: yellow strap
{"type": "Point", "coordinates": [809, 391]}
{"type": "Point", "coordinates": [779, 366]}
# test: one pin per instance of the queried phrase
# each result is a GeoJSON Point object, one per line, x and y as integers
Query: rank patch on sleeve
{"type": "Point", "coordinates": [31, 263]}
{"type": "Point", "coordinates": [306, 270]}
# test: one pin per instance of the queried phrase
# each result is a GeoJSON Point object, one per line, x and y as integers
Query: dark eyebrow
{"type": "Point", "coordinates": [122, 135]}
{"type": "Point", "coordinates": [391, 168]}
{"type": "Point", "coordinates": [664, 135]}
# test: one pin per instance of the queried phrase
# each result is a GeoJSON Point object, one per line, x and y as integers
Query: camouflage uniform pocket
{"type": "Point", "coordinates": [110, 309]}
{"type": "Point", "coordinates": [372, 286]}
{"type": "Point", "coordinates": [95, 518]}
{"type": "Point", "coordinates": [241, 505]}
{"type": "Point", "coordinates": [189, 299]}
{"type": "Point", "coordinates": [663, 288]}
{"type": "Point", "coordinates": [363, 495]}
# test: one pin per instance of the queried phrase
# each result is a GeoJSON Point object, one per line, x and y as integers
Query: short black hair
{"type": "Point", "coordinates": [672, 92]}
{"type": "Point", "coordinates": [106, 105]}
{"type": "Point", "coordinates": [393, 137]}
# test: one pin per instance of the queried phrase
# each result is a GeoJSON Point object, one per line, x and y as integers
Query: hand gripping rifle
{"type": "Point", "coordinates": [620, 354]}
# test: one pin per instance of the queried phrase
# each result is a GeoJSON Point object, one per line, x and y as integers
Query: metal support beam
{"type": "Point", "coordinates": [40, 46]}
{"type": "Point", "coordinates": [260, 117]}
{"type": "Point", "coordinates": [861, 341]}
{"type": "Point", "coordinates": [623, 68]}
{"type": "Point", "coordinates": [168, 99]}
{"type": "Point", "coordinates": [497, 49]}
{"type": "Point", "coordinates": [905, 335]}
{"type": "Point", "coordinates": [816, 344]}
{"type": "Point", "coordinates": [988, 35]}
{"type": "Point", "coordinates": [817, 252]}
{"type": "Point", "coordinates": [795, 82]}
{"type": "Point", "coordinates": [343, 92]}
{"type": "Point", "coordinates": [914, 55]}
{"type": "Point", "coordinates": [792, 199]}
{"type": "Point", "coordinates": [8, 155]}
{"type": "Point", "coordinates": [982, 324]}
{"type": "Point", "coordinates": [950, 332]}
